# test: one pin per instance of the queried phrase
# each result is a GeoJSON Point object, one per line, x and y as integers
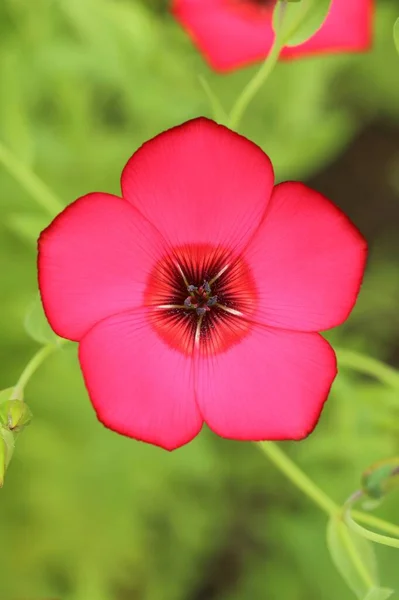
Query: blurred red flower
{"type": "Point", "coordinates": [198, 295]}
{"type": "Point", "coordinates": [234, 33]}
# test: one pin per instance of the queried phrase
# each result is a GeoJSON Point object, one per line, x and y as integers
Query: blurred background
{"type": "Point", "coordinates": [86, 514]}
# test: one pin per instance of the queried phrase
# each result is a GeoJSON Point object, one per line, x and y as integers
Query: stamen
{"type": "Point", "coordinates": [182, 274]}
{"type": "Point", "coordinates": [169, 306]}
{"type": "Point", "coordinates": [198, 331]}
{"type": "Point", "coordinates": [212, 301]}
{"type": "Point", "coordinates": [218, 274]}
{"type": "Point", "coordinates": [232, 311]}
{"type": "Point", "coordinates": [206, 287]}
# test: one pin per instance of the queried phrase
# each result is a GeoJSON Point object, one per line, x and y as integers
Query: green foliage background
{"type": "Point", "coordinates": [86, 514]}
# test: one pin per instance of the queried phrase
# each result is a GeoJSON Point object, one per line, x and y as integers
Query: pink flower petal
{"type": "Point", "coordinates": [138, 385]}
{"type": "Point", "coordinates": [94, 260]}
{"type": "Point", "coordinates": [226, 35]}
{"type": "Point", "coordinates": [231, 33]}
{"type": "Point", "coordinates": [200, 183]}
{"type": "Point", "coordinates": [348, 28]}
{"type": "Point", "coordinates": [307, 260]}
{"type": "Point", "coordinates": [271, 386]}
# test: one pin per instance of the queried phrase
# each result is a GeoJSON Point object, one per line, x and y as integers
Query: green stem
{"type": "Point", "coordinates": [30, 182]}
{"type": "Point", "coordinates": [366, 533]}
{"type": "Point", "coordinates": [306, 485]}
{"type": "Point", "coordinates": [218, 112]}
{"type": "Point", "coordinates": [31, 367]}
{"type": "Point", "coordinates": [376, 522]}
{"type": "Point", "coordinates": [254, 85]}
{"type": "Point", "coordinates": [367, 365]}
{"type": "Point", "coordinates": [298, 477]}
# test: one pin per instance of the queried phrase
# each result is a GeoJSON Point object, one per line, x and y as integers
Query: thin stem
{"type": "Point", "coordinates": [30, 182]}
{"type": "Point", "coordinates": [305, 484]}
{"type": "Point", "coordinates": [376, 522]}
{"type": "Point", "coordinates": [366, 533]}
{"type": "Point", "coordinates": [254, 85]}
{"type": "Point", "coordinates": [218, 111]}
{"type": "Point", "coordinates": [348, 515]}
{"type": "Point", "coordinates": [298, 477]}
{"type": "Point", "coordinates": [369, 366]}
{"type": "Point", "coordinates": [31, 367]}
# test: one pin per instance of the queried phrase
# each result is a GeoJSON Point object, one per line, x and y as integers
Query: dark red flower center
{"type": "Point", "coordinates": [262, 2]}
{"type": "Point", "coordinates": [253, 9]}
{"type": "Point", "coordinates": [255, 3]}
{"type": "Point", "coordinates": [202, 297]}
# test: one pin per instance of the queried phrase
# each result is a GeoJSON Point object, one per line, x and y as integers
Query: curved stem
{"type": "Point", "coordinates": [376, 522]}
{"type": "Point", "coordinates": [30, 182]}
{"type": "Point", "coordinates": [377, 538]}
{"type": "Point", "coordinates": [323, 501]}
{"type": "Point", "coordinates": [219, 114]}
{"type": "Point", "coordinates": [31, 367]}
{"type": "Point", "coordinates": [254, 85]}
{"type": "Point", "coordinates": [369, 366]}
{"type": "Point", "coordinates": [362, 531]}
{"type": "Point", "coordinates": [298, 477]}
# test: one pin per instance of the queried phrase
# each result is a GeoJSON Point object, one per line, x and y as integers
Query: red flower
{"type": "Point", "coordinates": [233, 33]}
{"type": "Point", "coordinates": [197, 296]}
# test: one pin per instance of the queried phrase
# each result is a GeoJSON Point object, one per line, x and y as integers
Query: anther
{"type": "Point", "coordinates": [212, 301]}
{"type": "Point", "coordinates": [201, 310]}
{"type": "Point", "coordinates": [192, 288]}
{"type": "Point", "coordinates": [206, 287]}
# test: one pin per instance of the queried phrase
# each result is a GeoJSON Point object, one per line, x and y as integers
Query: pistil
{"type": "Point", "coordinates": [200, 298]}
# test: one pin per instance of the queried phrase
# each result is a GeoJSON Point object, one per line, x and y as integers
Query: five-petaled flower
{"type": "Point", "coordinates": [234, 33]}
{"type": "Point", "coordinates": [198, 295]}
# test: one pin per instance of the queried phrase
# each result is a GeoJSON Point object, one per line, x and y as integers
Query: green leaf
{"type": "Point", "coordinates": [396, 34]}
{"type": "Point", "coordinates": [36, 324]}
{"type": "Point", "coordinates": [353, 557]}
{"type": "Point", "coordinates": [379, 594]}
{"type": "Point", "coordinates": [300, 20]}
{"type": "Point", "coordinates": [6, 452]}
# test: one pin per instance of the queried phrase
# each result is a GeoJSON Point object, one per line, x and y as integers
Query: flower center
{"type": "Point", "coordinates": [201, 298]}
{"type": "Point", "coordinates": [253, 10]}
{"type": "Point", "coordinates": [254, 3]}
{"type": "Point", "coordinates": [262, 2]}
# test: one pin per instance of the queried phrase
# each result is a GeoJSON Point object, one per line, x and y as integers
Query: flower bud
{"type": "Point", "coordinates": [381, 477]}
{"type": "Point", "coordinates": [15, 415]}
